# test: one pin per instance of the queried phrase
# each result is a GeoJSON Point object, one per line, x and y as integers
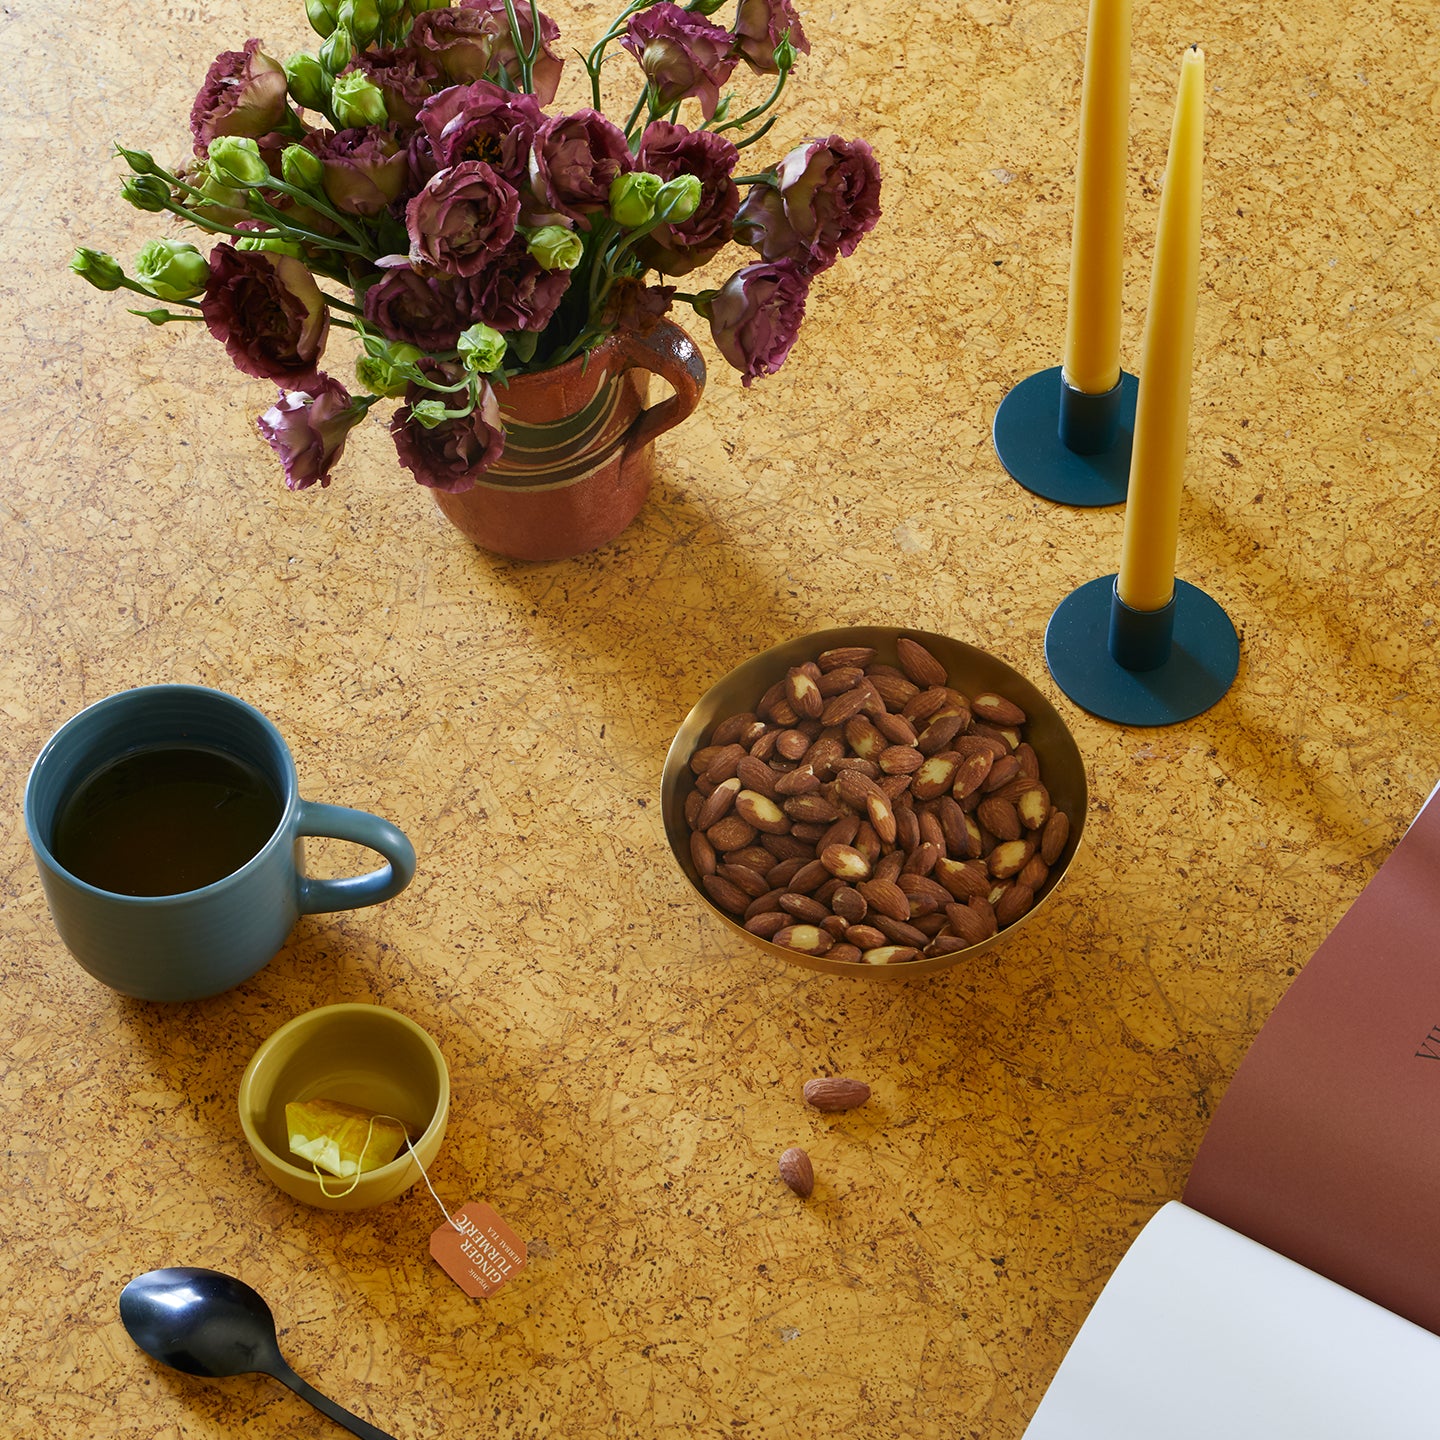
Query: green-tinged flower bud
{"type": "Point", "coordinates": [357, 101]}
{"type": "Point", "coordinates": [481, 348]}
{"type": "Point", "coordinates": [160, 317]}
{"type": "Point", "coordinates": [388, 369]}
{"type": "Point", "coordinates": [632, 199]}
{"type": "Point", "coordinates": [219, 194]}
{"type": "Point", "coordinates": [308, 82]}
{"type": "Point", "coordinates": [301, 168]}
{"type": "Point", "coordinates": [140, 161]}
{"type": "Point", "coordinates": [171, 269]}
{"type": "Point", "coordinates": [389, 9]}
{"type": "Point", "coordinates": [678, 200]}
{"type": "Point", "coordinates": [722, 110]}
{"type": "Point", "coordinates": [235, 160]}
{"type": "Point", "coordinates": [101, 270]}
{"type": "Point", "coordinates": [785, 55]}
{"type": "Point", "coordinates": [555, 247]}
{"type": "Point", "coordinates": [321, 15]}
{"type": "Point", "coordinates": [428, 413]}
{"type": "Point", "coordinates": [276, 244]}
{"type": "Point", "coordinates": [337, 51]}
{"type": "Point", "coordinates": [361, 18]}
{"type": "Point", "coordinates": [146, 192]}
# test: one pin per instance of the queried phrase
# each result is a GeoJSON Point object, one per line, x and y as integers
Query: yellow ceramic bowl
{"type": "Point", "coordinates": [971, 671]}
{"type": "Point", "coordinates": [363, 1055]}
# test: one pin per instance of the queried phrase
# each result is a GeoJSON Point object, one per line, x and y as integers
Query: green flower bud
{"type": "Point", "coordinates": [301, 168]}
{"type": "Point", "coordinates": [632, 199]}
{"type": "Point", "coordinates": [361, 18]}
{"type": "Point", "coordinates": [678, 199]}
{"type": "Point", "coordinates": [389, 9]}
{"type": "Point", "coordinates": [337, 51]}
{"type": "Point", "coordinates": [785, 55]}
{"type": "Point", "coordinates": [722, 110]}
{"type": "Point", "coordinates": [555, 247]}
{"type": "Point", "coordinates": [308, 82]}
{"type": "Point", "coordinates": [235, 160]}
{"type": "Point", "coordinates": [101, 270]}
{"type": "Point", "coordinates": [219, 195]}
{"type": "Point", "coordinates": [321, 15]}
{"type": "Point", "coordinates": [146, 192]}
{"type": "Point", "coordinates": [388, 369]}
{"type": "Point", "coordinates": [481, 348]}
{"type": "Point", "coordinates": [429, 413]}
{"type": "Point", "coordinates": [171, 269]}
{"type": "Point", "coordinates": [275, 243]}
{"type": "Point", "coordinates": [159, 317]}
{"type": "Point", "coordinates": [357, 101]}
{"type": "Point", "coordinates": [140, 161]}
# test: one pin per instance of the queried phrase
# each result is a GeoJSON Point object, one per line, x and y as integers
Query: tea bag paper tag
{"type": "Point", "coordinates": [477, 1249]}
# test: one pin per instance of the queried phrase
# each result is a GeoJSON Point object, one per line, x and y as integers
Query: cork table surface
{"type": "Point", "coordinates": [625, 1072]}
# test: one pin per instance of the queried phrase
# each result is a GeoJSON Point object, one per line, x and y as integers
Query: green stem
{"type": "Point", "coordinates": [758, 111]}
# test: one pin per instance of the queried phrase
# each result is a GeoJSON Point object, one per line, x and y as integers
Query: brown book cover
{"type": "Point", "coordinates": [1326, 1147]}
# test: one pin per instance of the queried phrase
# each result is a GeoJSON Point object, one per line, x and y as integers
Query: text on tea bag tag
{"type": "Point", "coordinates": [477, 1249]}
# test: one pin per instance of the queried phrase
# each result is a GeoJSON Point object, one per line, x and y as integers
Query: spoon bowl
{"type": "Point", "coordinates": [203, 1322]}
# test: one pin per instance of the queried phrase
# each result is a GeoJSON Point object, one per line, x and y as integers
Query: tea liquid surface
{"type": "Point", "coordinates": [164, 820]}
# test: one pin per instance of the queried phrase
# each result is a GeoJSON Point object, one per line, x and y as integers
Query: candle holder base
{"type": "Point", "coordinates": [1027, 437]}
{"type": "Point", "coordinates": [1179, 680]}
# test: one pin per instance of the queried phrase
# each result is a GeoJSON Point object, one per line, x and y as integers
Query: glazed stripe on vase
{"type": "Point", "coordinates": [550, 454]}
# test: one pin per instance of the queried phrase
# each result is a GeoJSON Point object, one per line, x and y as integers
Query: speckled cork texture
{"type": "Point", "coordinates": [624, 1075]}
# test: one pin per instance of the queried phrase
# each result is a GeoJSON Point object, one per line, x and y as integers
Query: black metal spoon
{"type": "Point", "coordinates": [206, 1323]}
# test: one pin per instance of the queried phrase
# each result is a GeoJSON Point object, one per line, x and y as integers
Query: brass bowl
{"type": "Point", "coordinates": [972, 672]}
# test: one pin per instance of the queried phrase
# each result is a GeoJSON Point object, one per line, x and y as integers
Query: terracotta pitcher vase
{"type": "Point", "coordinates": [578, 460]}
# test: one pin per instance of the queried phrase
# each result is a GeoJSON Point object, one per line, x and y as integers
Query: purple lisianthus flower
{"type": "Point", "coordinates": [403, 77]}
{"type": "Point", "coordinates": [462, 219]}
{"type": "Point", "coordinates": [306, 428]}
{"type": "Point", "coordinates": [683, 55]}
{"type": "Point", "coordinates": [633, 305]}
{"type": "Point", "coordinates": [365, 170]}
{"type": "Point", "coordinates": [760, 26]}
{"type": "Point", "coordinates": [575, 158]}
{"type": "Point", "coordinates": [267, 311]}
{"type": "Point", "coordinates": [826, 197]}
{"type": "Point", "coordinates": [755, 316]}
{"type": "Point", "coordinates": [482, 122]}
{"type": "Point", "coordinates": [472, 41]}
{"type": "Point", "coordinates": [669, 150]}
{"type": "Point", "coordinates": [416, 309]}
{"type": "Point", "coordinates": [244, 94]}
{"type": "Point", "coordinates": [456, 453]}
{"type": "Point", "coordinates": [516, 292]}
{"type": "Point", "coordinates": [545, 68]}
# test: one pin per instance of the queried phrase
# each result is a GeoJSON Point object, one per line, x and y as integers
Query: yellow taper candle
{"type": "Point", "coordinates": [1097, 247]}
{"type": "Point", "coordinates": [1162, 408]}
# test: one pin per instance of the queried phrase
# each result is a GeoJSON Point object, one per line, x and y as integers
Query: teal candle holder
{"type": "Point", "coordinates": [1141, 667]}
{"type": "Point", "coordinates": [1065, 444]}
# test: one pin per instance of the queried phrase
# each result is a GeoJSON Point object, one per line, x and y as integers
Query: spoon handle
{"type": "Point", "coordinates": [353, 1423]}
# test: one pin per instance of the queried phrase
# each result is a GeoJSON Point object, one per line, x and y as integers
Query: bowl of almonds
{"type": "Point", "coordinates": [874, 801]}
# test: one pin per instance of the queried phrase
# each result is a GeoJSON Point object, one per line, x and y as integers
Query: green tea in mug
{"type": "Point", "coordinates": [164, 820]}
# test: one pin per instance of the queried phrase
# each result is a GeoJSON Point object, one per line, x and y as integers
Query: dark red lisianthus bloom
{"type": "Point", "coordinates": [633, 305]}
{"type": "Point", "coordinates": [760, 25]}
{"type": "Point", "coordinates": [683, 55]}
{"type": "Point", "coordinates": [307, 428]}
{"type": "Point", "coordinates": [244, 94]}
{"type": "Point", "coordinates": [826, 197]}
{"type": "Point", "coordinates": [403, 77]}
{"type": "Point", "coordinates": [515, 292]}
{"type": "Point", "coordinates": [574, 159]}
{"type": "Point", "coordinates": [456, 453]}
{"type": "Point", "coordinates": [267, 311]}
{"type": "Point", "coordinates": [756, 316]}
{"type": "Point", "coordinates": [419, 310]}
{"type": "Point", "coordinates": [462, 219]}
{"type": "Point", "coordinates": [482, 122]}
{"type": "Point", "coordinates": [546, 68]}
{"type": "Point", "coordinates": [365, 170]}
{"type": "Point", "coordinates": [669, 150]}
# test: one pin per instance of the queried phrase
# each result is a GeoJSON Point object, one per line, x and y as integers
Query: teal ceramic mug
{"type": "Point", "coordinates": [112, 791]}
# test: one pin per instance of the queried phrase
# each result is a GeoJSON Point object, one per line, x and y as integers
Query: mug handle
{"type": "Point", "coordinates": [667, 351]}
{"type": "Point", "coordinates": [339, 822]}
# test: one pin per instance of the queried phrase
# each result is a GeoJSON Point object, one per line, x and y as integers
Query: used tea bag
{"type": "Point", "coordinates": [341, 1138]}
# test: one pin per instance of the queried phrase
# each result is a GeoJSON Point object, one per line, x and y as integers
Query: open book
{"type": "Point", "coordinates": [1294, 1290]}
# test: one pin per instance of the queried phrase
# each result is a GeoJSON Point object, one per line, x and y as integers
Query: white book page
{"type": "Point", "coordinates": [1201, 1333]}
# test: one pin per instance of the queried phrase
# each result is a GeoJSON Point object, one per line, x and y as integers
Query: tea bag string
{"type": "Point", "coordinates": [355, 1179]}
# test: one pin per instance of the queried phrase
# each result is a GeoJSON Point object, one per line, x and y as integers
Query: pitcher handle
{"type": "Point", "coordinates": [666, 351]}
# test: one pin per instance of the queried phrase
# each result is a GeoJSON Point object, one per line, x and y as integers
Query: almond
{"type": "Point", "coordinates": [792, 744]}
{"type": "Point", "coordinates": [833, 1093]}
{"type": "Point", "coordinates": [1016, 900]}
{"type": "Point", "coordinates": [800, 781]}
{"type": "Point", "coordinates": [797, 1172]}
{"type": "Point", "coordinates": [938, 734]}
{"type": "Point", "coordinates": [839, 680]}
{"type": "Point", "coordinates": [1054, 836]}
{"type": "Point", "coordinates": [845, 953]}
{"type": "Point", "coordinates": [890, 955]}
{"type": "Point", "coordinates": [919, 665]}
{"type": "Point", "coordinates": [761, 812]}
{"type": "Point", "coordinates": [1000, 818]}
{"type": "Point", "coordinates": [844, 707]}
{"type": "Point", "coordinates": [702, 853]}
{"type": "Point", "coordinates": [752, 882]}
{"type": "Point", "coordinates": [884, 897]}
{"type": "Point", "coordinates": [860, 655]}
{"type": "Point", "coordinates": [972, 772]}
{"type": "Point", "coordinates": [936, 776]}
{"type": "Point", "coordinates": [730, 833]}
{"type": "Point", "coordinates": [732, 729]}
{"type": "Point", "coordinates": [756, 775]}
{"type": "Point", "coordinates": [896, 729]}
{"type": "Point", "coordinates": [864, 739]}
{"type": "Point", "coordinates": [899, 760]}
{"type": "Point", "coordinates": [812, 809]}
{"type": "Point", "coordinates": [807, 939]}
{"type": "Point", "coordinates": [881, 814]}
{"type": "Point", "coordinates": [803, 908]}
{"type": "Point", "coordinates": [1002, 772]}
{"type": "Point", "coordinates": [718, 803]}
{"type": "Point", "coordinates": [997, 710]}
{"type": "Point", "coordinates": [726, 895]}
{"type": "Point", "coordinates": [962, 878]}
{"type": "Point", "coordinates": [846, 862]}
{"type": "Point", "coordinates": [1009, 858]}
{"type": "Point", "coordinates": [848, 903]}
{"type": "Point", "coordinates": [867, 937]}
{"type": "Point", "coordinates": [768, 923]}
{"type": "Point", "coordinates": [804, 694]}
